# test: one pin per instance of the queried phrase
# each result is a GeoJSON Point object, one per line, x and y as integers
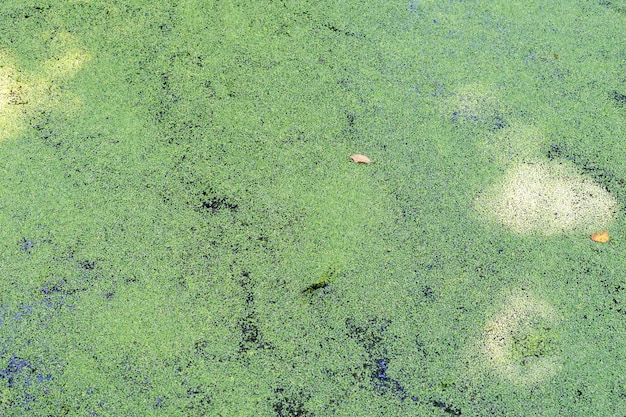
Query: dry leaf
{"type": "Point", "coordinates": [601, 237]}
{"type": "Point", "coordinates": [360, 159]}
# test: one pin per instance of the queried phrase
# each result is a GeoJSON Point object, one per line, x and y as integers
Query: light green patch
{"type": "Point", "coordinates": [519, 344]}
{"type": "Point", "coordinates": [184, 234]}
{"type": "Point", "coordinates": [513, 145]}
{"type": "Point", "coordinates": [26, 90]}
{"type": "Point", "coordinates": [13, 96]}
{"type": "Point", "coordinates": [546, 198]}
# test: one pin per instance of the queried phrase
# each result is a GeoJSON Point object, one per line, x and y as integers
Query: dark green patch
{"type": "Point", "coordinates": [290, 405]}
{"type": "Point", "coordinates": [609, 179]}
{"type": "Point", "coordinates": [619, 98]}
{"type": "Point", "coordinates": [323, 281]}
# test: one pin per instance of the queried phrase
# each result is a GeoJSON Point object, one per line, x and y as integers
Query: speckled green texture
{"type": "Point", "coordinates": [184, 234]}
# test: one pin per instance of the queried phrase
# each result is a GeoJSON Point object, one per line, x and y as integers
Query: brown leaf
{"type": "Point", "coordinates": [360, 159]}
{"type": "Point", "coordinates": [601, 237]}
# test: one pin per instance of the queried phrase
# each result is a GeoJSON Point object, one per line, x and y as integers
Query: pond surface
{"type": "Point", "coordinates": [184, 232]}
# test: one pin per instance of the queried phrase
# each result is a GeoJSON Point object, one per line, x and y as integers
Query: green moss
{"type": "Point", "coordinates": [176, 180]}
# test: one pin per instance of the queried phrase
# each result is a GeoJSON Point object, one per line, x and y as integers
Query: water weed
{"type": "Point", "coordinates": [184, 234]}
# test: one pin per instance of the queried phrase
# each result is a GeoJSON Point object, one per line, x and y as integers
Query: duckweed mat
{"type": "Point", "coordinates": [183, 232]}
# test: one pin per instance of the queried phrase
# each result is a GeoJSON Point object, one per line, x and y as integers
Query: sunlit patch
{"type": "Point", "coordinates": [13, 97]}
{"type": "Point", "coordinates": [515, 144]}
{"type": "Point", "coordinates": [22, 91]}
{"type": "Point", "coordinates": [67, 64]}
{"type": "Point", "coordinates": [519, 342]}
{"type": "Point", "coordinates": [472, 100]}
{"type": "Point", "coordinates": [68, 57]}
{"type": "Point", "coordinates": [475, 103]}
{"type": "Point", "coordinates": [547, 198]}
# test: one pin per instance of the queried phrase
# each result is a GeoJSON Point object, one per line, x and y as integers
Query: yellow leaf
{"type": "Point", "coordinates": [601, 237]}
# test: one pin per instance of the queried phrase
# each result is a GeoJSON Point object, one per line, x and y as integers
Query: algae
{"type": "Point", "coordinates": [176, 181]}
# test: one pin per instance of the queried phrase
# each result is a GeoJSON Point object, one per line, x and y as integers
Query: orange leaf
{"type": "Point", "coordinates": [601, 237]}
{"type": "Point", "coordinates": [360, 159]}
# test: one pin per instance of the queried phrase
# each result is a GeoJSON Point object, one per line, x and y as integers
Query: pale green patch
{"type": "Point", "coordinates": [473, 102]}
{"type": "Point", "coordinates": [13, 96]}
{"type": "Point", "coordinates": [513, 145]}
{"type": "Point", "coordinates": [23, 91]}
{"type": "Point", "coordinates": [518, 344]}
{"type": "Point", "coordinates": [547, 198]}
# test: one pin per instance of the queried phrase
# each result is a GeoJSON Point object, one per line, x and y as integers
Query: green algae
{"type": "Point", "coordinates": [176, 181]}
{"type": "Point", "coordinates": [323, 281]}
